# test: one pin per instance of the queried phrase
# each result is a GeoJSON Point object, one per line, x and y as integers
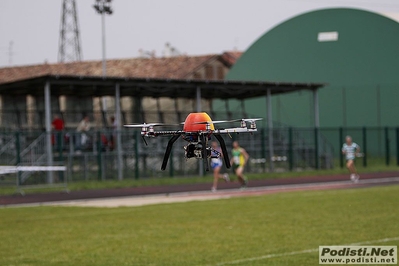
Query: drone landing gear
{"type": "Point", "coordinates": [204, 143]}
{"type": "Point", "coordinates": [168, 150]}
{"type": "Point", "coordinates": [197, 150]}
{"type": "Point", "coordinates": [224, 150]}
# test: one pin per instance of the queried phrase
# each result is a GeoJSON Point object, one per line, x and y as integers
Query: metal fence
{"type": "Point", "coordinates": [378, 144]}
{"type": "Point", "coordinates": [93, 155]}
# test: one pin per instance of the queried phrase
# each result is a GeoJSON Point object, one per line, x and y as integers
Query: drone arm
{"type": "Point", "coordinates": [204, 152]}
{"type": "Point", "coordinates": [224, 150]}
{"type": "Point", "coordinates": [168, 150]}
{"type": "Point", "coordinates": [167, 133]}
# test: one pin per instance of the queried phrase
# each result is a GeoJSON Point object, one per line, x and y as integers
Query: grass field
{"type": "Point", "coordinates": [201, 233]}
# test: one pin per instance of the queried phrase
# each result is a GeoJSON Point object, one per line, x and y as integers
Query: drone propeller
{"type": "Point", "coordinates": [246, 120]}
{"type": "Point", "coordinates": [144, 125]}
{"type": "Point", "coordinates": [230, 121]}
{"type": "Point", "coordinates": [210, 122]}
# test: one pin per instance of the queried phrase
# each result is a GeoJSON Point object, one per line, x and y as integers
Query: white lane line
{"type": "Point", "coordinates": [268, 257]}
{"type": "Point", "coordinates": [303, 251]}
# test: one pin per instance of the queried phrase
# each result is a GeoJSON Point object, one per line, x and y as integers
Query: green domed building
{"type": "Point", "coordinates": [355, 52]}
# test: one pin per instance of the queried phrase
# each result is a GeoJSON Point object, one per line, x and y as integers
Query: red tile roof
{"type": "Point", "coordinates": [178, 67]}
{"type": "Point", "coordinates": [231, 57]}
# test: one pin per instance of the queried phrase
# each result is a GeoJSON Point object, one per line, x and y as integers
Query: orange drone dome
{"type": "Point", "coordinates": [193, 118]}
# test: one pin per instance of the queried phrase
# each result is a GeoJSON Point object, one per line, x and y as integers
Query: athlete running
{"type": "Point", "coordinates": [240, 158]}
{"type": "Point", "coordinates": [350, 149]}
{"type": "Point", "coordinates": [216, 165]}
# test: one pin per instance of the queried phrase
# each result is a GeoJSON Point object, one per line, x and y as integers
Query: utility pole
{"type": "Point", "coordinates": [69, 43]}
{"type": "Point", "coordinates": [103, 7]}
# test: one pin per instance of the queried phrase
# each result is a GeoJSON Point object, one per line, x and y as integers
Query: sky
{"type": "Point", "coordinates": [192, 27]}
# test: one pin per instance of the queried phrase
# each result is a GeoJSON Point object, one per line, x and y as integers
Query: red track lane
{"type": "Point", "coordinates": [271, 183]}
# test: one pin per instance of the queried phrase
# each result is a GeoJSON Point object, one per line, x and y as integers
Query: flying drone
{"type": "Point", "coordinates": [198, 128]}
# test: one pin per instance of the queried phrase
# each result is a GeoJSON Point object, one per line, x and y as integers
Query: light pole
{"type": "Point", "coordinates": [103, 7]}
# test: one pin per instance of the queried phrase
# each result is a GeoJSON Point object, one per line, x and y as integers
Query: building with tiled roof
{"type": "Point", "coordinates": [179, 67]}
{"type": "Point", "coordinates": [209, 67]}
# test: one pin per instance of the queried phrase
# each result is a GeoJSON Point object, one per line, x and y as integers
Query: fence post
{"type": "Point", "coordinates": [18, 155]}
{"type": "Point", "coordinates": [18, 147]}
{"type": "Point", "coordinates": [171, 165]}
{"type": "Point", "coordinates": [136, 155]}
{"type": "Point", "coordinates": [60, 148]}
{"type": "Point", "coordinates": [290, 150]}
{"type": "Point", "coordinates": [364, 147]}
{"type": "Point", "coordinates": [99, 161]}
{"type": "Point", "coordinates": [316, 144]}
{"type": "Point", "coordinates": [341, 140]}
{"type": "Point", "coordinates": [60, 145]}
{"type": "Point", "coordinates": [387, 151]}
{"type": "Point", "coordinates": [263, 143]}
{"type": "Point", "coordinates": [397, 146]}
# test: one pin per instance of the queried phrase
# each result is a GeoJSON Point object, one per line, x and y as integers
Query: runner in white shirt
{"type": "Point", "coordinates": [350, 149]}
{"type": "Point", "coordinates": [216, 165]}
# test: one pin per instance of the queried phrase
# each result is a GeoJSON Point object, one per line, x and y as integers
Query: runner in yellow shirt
{"type": "Point", "coordinates": [238, 161]}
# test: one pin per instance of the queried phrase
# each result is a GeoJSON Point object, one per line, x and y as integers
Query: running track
{"type": "Point", "coordinates": [256, 187]}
